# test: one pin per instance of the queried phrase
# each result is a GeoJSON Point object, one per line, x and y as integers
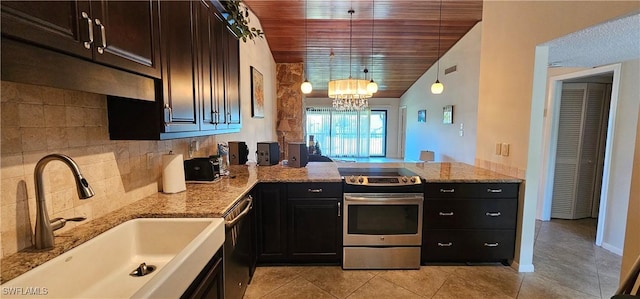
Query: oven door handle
{"type": "Point", "coordinates": [231, 223]}
{"type": "Point", "coordinates": [386, 199]}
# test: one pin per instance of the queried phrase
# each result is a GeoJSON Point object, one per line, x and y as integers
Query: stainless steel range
{"type": "Point", "coordinates": [383, 218]}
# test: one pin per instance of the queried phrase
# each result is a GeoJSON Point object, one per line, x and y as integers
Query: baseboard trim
{"type": "Point", "coordinates": [522, 268]}
{"type": "Point", "coordinates": [612, 248]}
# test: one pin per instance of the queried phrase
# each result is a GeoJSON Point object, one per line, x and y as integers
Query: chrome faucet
{"type": "Point", "coordinates": [44, 230]}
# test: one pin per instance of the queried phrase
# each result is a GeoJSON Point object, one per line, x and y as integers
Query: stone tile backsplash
{"type": "Point", "coordinates": [37, 121]}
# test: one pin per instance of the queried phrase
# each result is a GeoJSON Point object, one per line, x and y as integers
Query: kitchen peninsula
{"type": "Point", "coordinates": [214, 199]}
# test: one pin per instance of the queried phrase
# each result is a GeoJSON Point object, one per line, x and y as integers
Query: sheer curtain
{"type": "Point", "coordinates": [340, 133]}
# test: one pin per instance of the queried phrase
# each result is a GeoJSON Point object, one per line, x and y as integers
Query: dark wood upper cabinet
{"type": "Point", "coordinates": [51, 24]}
{"type": "Point", "coordinates": [121, 34]}
{"type": "Point", "coordinates": [180, 97]}
{"type": "Point", "coordinates": [193, 96]}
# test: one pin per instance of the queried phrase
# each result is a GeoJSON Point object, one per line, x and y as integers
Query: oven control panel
{"type": "Point", "coordinates": [382, 180]}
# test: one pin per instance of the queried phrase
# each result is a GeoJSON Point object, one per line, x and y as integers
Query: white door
{"type": "Point", "coordinates": [579, 151]}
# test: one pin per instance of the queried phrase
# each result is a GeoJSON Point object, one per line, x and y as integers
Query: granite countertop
{"type": "Point", "coordinates": [214, 199]}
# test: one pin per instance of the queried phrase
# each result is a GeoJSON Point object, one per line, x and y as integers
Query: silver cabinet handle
{"type": "Point", "coordinates": [87, 44]}
{"type": "Point", "coordinates": [315, 190]}
{"type": "Point", "coordinates": [446, 244]}
{"type": "Point", "coordinates": [103, 36]}
{"type": "Point", "coordinates": [491, 244]}
{"type": "Point", "coordinates": [445, 213]}
{"type": "Point", "coordinates": [494, 190]}
{"type": "Point", "coordinates": [493, 214]}
{"type": "Point", "coordinates": [452, 190]}
{"type": "Point", "coordinates": [168, 115]}
{"type": "Point", "coordinates": [339, 209]}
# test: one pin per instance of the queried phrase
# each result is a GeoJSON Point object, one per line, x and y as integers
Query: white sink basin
{"type": "Point", "coordinates": [99, 268]}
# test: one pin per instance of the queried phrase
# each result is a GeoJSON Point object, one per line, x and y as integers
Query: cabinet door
{"type": "Point", "coordinates": [271, 213]}
{"type": "Point", "coordinates": [232, 81]}
{"type": "Point", "coordinates": [219, 107]}
{"type": "Point", "coordinates": [314, 229]}
{"type": "Point", "coordinates": [179, 84]}
{"type": "Point", "coordinates": [60, 25]}
{"type": "Point", "coordinates": [207, 63]}
{"type": "Point", "coordinates": [126, 35]}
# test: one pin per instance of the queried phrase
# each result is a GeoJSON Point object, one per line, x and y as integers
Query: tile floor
{"type": "Point", "coordinates": [567, 263]}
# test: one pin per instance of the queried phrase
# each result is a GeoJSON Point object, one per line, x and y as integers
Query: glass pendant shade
{"type": "Point", "coordinates": [372, 87]}
{"type": "Point", "coordinates": [437, 87]}
{"type": "Point", "coordinates": [306, 87]}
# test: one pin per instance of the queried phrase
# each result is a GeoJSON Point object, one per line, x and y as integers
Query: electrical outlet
{"type": "Point", "coordinates": [505, 149]}
{"type": "Point", "coordinates": [498, 149]}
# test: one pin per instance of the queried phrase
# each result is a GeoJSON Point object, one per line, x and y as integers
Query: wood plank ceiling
{"type": "Point", "coordinates": [405, 38]}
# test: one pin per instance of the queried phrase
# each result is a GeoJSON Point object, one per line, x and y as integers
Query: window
{"type": "Point", "coordinates": [348, 133]}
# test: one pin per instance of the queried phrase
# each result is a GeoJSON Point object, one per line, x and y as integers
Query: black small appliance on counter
{"type": "Point", "coordinates": [268, 153]}
{"type": "Point", "coordinates": [238, 152]}
{"type": "Point", "coordinates": [298, 154]}
{"type": "Point", "coordinates": [201, 169]}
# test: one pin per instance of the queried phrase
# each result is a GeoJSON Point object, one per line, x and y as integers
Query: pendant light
{"type": "Point", "coordinates": [437, 87]}
{"type": "Point", "coordinates": [306, 85]}
{"type": "Point", "coordinates": [372, 87]}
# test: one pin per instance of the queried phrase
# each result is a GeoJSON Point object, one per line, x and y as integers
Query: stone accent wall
{"type": "Point", "coordinates": [37, 121]}
{"type": "Point", "coordinates": [290, 101]}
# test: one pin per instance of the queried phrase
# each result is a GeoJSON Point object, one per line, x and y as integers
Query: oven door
{"type": "Point", "coordinates": [383, 219]}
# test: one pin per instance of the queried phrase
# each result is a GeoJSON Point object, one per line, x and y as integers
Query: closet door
{"type": "Point", "coordinates": [578, 150]}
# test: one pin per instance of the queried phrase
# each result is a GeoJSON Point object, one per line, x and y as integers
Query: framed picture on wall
{"type": "Point", "coordinates": [447, 114]}
{"type": "Point", "coordinates": [422, 116]}
{"type": "Point", "coordinates": [257, 94]}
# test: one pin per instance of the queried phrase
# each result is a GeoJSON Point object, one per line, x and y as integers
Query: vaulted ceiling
{"type": "Point", "coordinates": [404, 43]}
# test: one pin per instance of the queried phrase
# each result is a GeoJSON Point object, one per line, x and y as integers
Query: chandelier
{"type": "Point", "coordinates": [349, 94]}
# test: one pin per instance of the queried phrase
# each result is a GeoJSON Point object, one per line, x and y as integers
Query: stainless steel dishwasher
{"type": "Point", "coordinates": [239, 248]}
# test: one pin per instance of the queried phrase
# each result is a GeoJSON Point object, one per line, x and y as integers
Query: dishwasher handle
{"type": "Point", "coordinates": [231, 223]}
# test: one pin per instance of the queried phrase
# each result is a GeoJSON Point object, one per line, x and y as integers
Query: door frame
{"type": "Point", "coordinates": [550, 138]}
{"type": "Point", "coordinates": [403, 131]}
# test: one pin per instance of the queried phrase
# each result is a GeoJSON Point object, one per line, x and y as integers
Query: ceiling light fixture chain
{"type": "Point", "coordinates": [306, 86]}
{"type": "Point", "coordinates": [372, 87]}
{"type": "Point", "coordinates": [437, 87]}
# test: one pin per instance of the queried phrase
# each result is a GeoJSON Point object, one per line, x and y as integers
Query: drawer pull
{"type": "Point", "coordinates": [445, 213]}
{"type": "Point", "coordinates": [315, 190]}
{"type": "Point", "coordinates": [490, 214]}
{"type": "Point", "coordinates": [491, 244]}
{"type": "Point", "coordinates": [447, 244]}
{"type": "Point", "coordinates": [447, 190]}
{"type": "Point", "coordinates": [494, 190]}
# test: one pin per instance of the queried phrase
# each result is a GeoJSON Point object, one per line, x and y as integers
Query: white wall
{"type": "Point", "coordinates": [622, 145]}
{"type": "Point", "coordinates": [461, 91]}
{"type": "Point", "coordinates": [391, 105]}
{"type": "Point", "coordinates": [258, 55]}
{"type": "Point", "coordinates": [632, 238]}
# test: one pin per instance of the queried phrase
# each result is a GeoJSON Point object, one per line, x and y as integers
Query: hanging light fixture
{"type": "Point", "coordinates": [437, 87]}
{"type": "Point", "coordinates": [306, 86]}
{"type": "Point", "coordinates": [372, 87]}
{"type": "Point", "coordinates": [349, 94]}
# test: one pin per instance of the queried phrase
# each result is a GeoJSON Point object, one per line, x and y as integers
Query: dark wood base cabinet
{"type": "Point", "coordinates": [299, 223]}
{"type": "Point", "coordinates": [469, 222]}
{"type": "Point", "coordinates": [210, 282]}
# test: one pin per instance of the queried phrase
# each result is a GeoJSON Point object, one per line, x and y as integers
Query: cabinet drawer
{"type": "Point", "coordinates": [468, 245]}
{"type": "Point", "coordinates": [314, 190]}
{"type": "Point", "coordinates": [475, 190]}
{"type": "Point", "coordinates": [470, 213]}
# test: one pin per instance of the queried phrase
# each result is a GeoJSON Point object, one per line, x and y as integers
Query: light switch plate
{"type": "Point", "coordinates": [505, 149]}
{"type": "Point", "coordinates": [498, 149]}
